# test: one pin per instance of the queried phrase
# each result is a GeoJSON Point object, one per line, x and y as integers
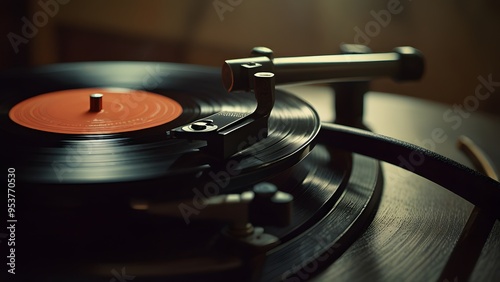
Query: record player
{"type": "Point", "coordinates": [144, 171]}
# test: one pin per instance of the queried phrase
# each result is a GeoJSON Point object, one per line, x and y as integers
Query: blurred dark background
{"type": "Point", "coordinates": [459, 38]}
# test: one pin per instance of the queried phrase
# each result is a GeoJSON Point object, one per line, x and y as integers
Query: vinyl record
{"type": "Point", "coordinates": [94, 178]}
{"type": "Point", "coordinates": [335, 197]}
{"type": "Point", "coordinates": [144, 153]}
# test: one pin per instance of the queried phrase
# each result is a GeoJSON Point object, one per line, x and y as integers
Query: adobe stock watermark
{"type": "Point", "coordinates": [221, 179]}
{"type": "Point", "coordinates": [47, 9]}
{"type": "Point", "coordinates": [454, 117]}
{"type": "Point", "coordinates": [73, 158]}
{"type": "Point", "coordinates": [381, 19]}
{"type": "Point", "coordinates": [76, 153]}
{"type": "Point", "coordinates": [482, 92]}
{"type": "Point", "coordinates": [121, 276]}
{"type": "Point", "coordinates": [151, 80]}
{"type": "Point", "coordinates": [223, 6]}
{"type": "Point", "coordinates": [310, 264]}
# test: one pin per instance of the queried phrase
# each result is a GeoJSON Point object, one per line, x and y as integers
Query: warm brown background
{"type": "Point", "coordinates": [460, 38]}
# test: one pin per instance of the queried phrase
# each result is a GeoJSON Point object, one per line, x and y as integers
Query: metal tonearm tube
{"type": "Point", "coordinates": [403, 63]}
{"type": "Point", "coordinates": [224, 131]}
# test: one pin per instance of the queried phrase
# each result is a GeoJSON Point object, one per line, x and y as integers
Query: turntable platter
{"type": "Point", "coordinates": [106, 204]}
{"type": "Point", "coordinates": [418, 223]}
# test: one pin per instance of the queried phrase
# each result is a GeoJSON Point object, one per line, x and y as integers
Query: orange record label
{"type": "Point", "coordinates": [95, 111]}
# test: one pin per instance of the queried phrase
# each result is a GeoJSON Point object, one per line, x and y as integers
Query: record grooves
{"type": "Point", "coordinates": [95, 111]}
{"type": "Point", "coordinates": [94, 178]}
{"type": "Point", "coordinates": [291, 119]}
{"type": "Point", "coordinates": [155, 171]}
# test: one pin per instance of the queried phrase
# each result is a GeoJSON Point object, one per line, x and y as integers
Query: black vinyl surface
{"type": "Point", "coordinates": [74, 192]}
{"type": "Point", "coordinates": [143, 155]}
